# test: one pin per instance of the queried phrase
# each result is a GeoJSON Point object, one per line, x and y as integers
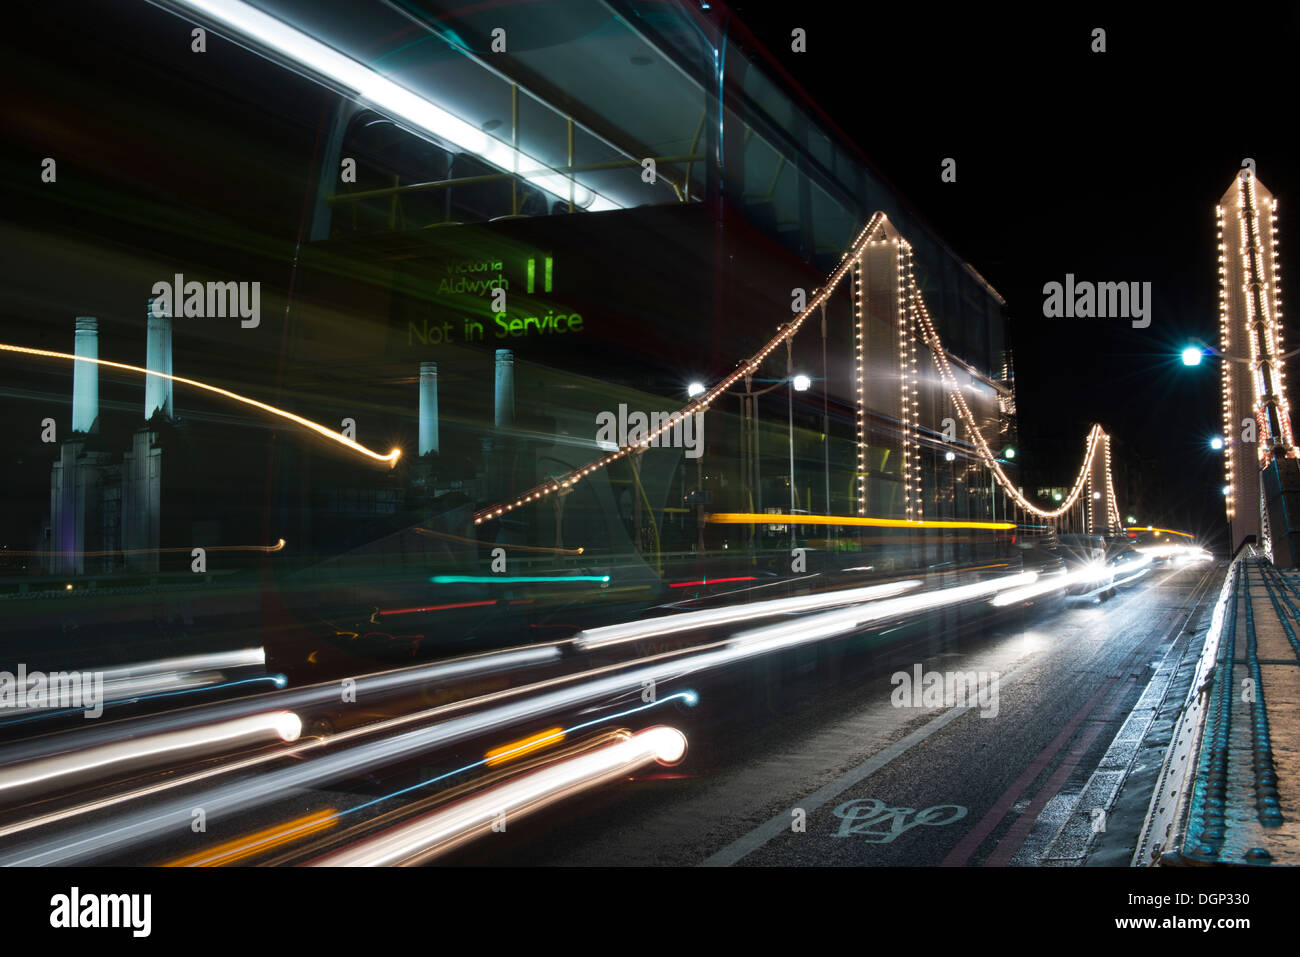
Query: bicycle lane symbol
{"type": "Point", "coordinates": [877, 823]}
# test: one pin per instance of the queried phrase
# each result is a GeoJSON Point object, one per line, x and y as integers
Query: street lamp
{"type": "Point", "coordinates": [1009, 452]}
{"type": "Point", "coordinates": [1192, 355]}
{"type": "Point", "coordinates": [1216, 443]}
{"type": "Point", "coordinates": [789, 407]}
{"type": "Point", "coordinates": [694, 389]}
{"type": "Point", "coordinates": [1259, 369]}
{"type": "Point", "coordinates": [749, 413]}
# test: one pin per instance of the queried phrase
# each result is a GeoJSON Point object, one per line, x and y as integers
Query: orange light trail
{"type": "Point", "coordinates": [754, 518]}
{"type": "Point", "coordinates": [508, 752]}
{"type": "Point", "coordinates": [250, 844]}
{"type": "Point", "coordinates": [1167, 531]}
{"type": "Point", "coordinates": [391, 458]}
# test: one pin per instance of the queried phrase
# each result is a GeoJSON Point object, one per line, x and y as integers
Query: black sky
{"type": "Point", "coordinates": [1105, 165]}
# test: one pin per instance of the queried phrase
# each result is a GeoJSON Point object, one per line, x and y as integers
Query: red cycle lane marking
{"type": "Point", "coordinates": [1015, 837]}
{"type": "Point", "coordinates": [960, 854]}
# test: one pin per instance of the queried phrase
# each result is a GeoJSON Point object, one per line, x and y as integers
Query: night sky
{"type": "Point", "coordinates": [1105, 165]}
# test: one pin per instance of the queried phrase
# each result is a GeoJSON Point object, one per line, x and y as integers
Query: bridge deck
{"type": "Point", "coordinates": [1243, 793]}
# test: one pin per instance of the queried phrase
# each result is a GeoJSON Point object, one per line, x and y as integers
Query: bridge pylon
{"type": "Point", "coordinates": [1261, 468]}
{"type": "Point", "coordinates": [1100, 509]}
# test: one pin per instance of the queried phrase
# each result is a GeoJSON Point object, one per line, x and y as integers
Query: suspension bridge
{"type": "Point", "coordinates": [878, 269]}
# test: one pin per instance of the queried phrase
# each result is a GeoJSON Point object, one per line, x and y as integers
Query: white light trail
{"type": "Point", "coordinates": [832, 623]}
{"type": "Point", "coordinates": [227, 800]}
{"type": "Point", "coordinates": [445, 829]}
{"type": "Point", "coordinates": [85, 765]}
{"type": "Point", "coordinates": [670, 624]}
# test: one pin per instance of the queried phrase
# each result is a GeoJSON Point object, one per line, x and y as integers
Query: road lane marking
{"type": "Point", "coordinates": [779, 824]}
{"type": "Point", "coordinates": [881, 824]}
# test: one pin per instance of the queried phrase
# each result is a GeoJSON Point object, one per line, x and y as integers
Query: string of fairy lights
{"type": "Point", "coordinates": [913, 322]}
{"type": "Point", "coordinates": [745, 367]}
{"type": "Point", "coordinates": [1269, 371]}
{"type": "Point", "coordinates": [912, 481]}
{"type": "Point", "coordinates": [859, 358]}
{"type": "Point", "coordinates": [1089, 518]}
{"type": "Point", "coordinates": [1112, 504]}
{"type": "Point", "coordinates": [1225, 346]}
{"type": "Point", "coordinates": [986, 453]}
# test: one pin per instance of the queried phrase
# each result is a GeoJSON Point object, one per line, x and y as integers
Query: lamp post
{"type": "Point", "coordinates": [749, 410]}
{"type": "Point", "coordinates": [1265, 374]}
{"type": "Point", "coordinates": [1193, 354]}
{"type": "Point", "coordinates": [694, 390]}
{"type": "Point", "coordinates": [789, 406]}
{"type": "Point", "coordinates": [826, 417]}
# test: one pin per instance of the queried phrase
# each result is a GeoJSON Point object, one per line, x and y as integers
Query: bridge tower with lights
{"type": "Point", "coordinates": [1101, 510]}
{"type": "Point", "coordinates": [1262, 470]}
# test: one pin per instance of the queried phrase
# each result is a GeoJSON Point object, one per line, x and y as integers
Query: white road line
{"type": "Point", "coordinates": [780, 823]}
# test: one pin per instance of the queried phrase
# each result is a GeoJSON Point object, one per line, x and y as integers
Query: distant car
{"type": "Point", "coordinates": [1080, 551]}
{"type": "Point", "coordinates": [1127, 563]}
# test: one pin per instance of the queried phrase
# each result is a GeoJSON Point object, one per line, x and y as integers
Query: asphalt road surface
{"type": "Point", "coordinates": [855, 770]}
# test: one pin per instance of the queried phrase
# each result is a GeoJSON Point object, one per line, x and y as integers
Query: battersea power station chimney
{"type": "Point", "coordinates": [85, 377]}
{"type": "Point", "coordinates": [158, 358]}
{"type": "Point", "coordinates": [505, 389]}
{"type": "Point", "coordinates": [428, 407]}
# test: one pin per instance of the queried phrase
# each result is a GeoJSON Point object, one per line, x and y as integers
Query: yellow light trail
{"type": "Point", "coordinates": [1167, 531]}
{"type": "Point", "coordinates": [268, 549]}
{"type": "Point", "coordinates": [516, 749]}
{"type": "Point", "coordinates": [391, 458]}
{"type": "Point", "coordinates": [250, 844]}
{"type": "Point", "coordinates": [754, 518]}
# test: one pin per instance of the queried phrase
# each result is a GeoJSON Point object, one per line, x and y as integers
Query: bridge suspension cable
{"type": "Point", "coordinates": [914, 316]}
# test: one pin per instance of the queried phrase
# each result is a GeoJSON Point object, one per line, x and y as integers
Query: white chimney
{"type": "Point", "coordinates": [158, 358]}
{"type": "Point", "coordinates": [428, 407]}
{"type": "Point", "coordinates": [505, 388]}
{"type": "Point", "coordinates": [85, 377]}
